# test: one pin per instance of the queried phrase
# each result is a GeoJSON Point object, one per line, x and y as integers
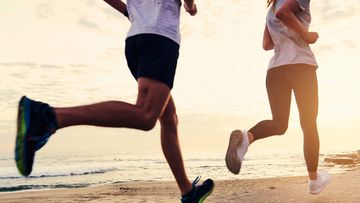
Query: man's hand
{"type": "Point", "coordinates": [311, 37]}
{"type": "Point", "coordinates": [191, 9]}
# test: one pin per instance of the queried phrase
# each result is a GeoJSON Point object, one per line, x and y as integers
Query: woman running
{"type": "Point", "coordinates": [292, 68]}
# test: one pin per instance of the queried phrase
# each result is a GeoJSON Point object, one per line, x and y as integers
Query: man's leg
{"type": "Point", "coordinates": [154, 102]}
{"type": "Point", "coordinates": [152, 98]}
{"type": "Point", "coordinates": [171, 147]}
{"type": "Point", "coordinates": [37, 121]}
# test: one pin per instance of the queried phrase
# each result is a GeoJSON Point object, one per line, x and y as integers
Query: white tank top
{"type": "Point", "coordinates": [160, 17]}
{"type": "Point", "coordinates": [289, 47]}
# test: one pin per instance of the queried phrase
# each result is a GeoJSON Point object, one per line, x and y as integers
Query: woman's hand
{"type": "Point", "coordinates": [311, 37]}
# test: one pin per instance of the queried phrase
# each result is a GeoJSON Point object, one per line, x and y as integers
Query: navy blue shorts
{"type": "Point", "coordinates": [152, 56]}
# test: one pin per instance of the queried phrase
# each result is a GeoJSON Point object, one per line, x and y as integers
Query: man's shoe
{"type": "Point", "coordinates": [199, 192]}
{"type": "Point", "coordinates": [36, 122]}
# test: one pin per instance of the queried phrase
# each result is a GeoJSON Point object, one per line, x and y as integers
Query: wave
{"type": "Point", "coordinates": [39, 187]}
{"type": "Point", "coordinates": [101, 171]}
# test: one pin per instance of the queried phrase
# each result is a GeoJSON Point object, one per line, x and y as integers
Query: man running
{"type": "Point", "coordinates": [152, 50]}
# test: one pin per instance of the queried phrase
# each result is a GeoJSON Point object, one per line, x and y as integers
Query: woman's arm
{"type": "Point", "coordinates": [118, 5]}
{"type": "Point", "coordinates": [286, 14]}
{"type": "Point", "coordinates": [268, 43]}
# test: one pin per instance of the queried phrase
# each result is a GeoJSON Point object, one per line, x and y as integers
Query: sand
{"type": "Point", "coordinates": [342, 188]}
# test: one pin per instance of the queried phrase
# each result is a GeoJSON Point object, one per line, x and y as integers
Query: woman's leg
{"type": "Point", "coordinates": [279, 94]}
{"type": "Point", "coordinates": [306, 93]}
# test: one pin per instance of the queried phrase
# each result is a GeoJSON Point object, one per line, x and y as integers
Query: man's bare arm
{"type": "Point", "coordinates": [119, 6]}
{"type": "Point", "coordinates": [190, 7]}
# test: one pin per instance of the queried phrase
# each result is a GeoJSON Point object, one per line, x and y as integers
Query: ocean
{"type": "Point", "coordinates": [68, 170]}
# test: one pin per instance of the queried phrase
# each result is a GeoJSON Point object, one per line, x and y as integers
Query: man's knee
{"type": "Point", "coordinates": [148, 122]}
{"type": "Point", "coordinates": [152, 97]}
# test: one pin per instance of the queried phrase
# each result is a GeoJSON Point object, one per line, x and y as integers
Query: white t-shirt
{"type": "Point", "coordinates": [289, 47]}
{"type": "Point", "coordinates": [160, 17]}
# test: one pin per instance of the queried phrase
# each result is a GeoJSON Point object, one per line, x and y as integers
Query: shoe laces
{"type": "Point", "coordinates": [197, 179]}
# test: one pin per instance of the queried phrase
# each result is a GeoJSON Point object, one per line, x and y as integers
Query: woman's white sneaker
{"type": "Point", "coordinates": [315, 186]}
{"type": "Point", "coordinates": [238, 145]}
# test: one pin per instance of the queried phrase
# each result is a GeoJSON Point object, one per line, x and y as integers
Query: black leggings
{"type": "Point", "coordinates": [280, 82]}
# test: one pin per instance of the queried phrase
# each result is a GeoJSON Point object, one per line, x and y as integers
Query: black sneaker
{"type": "Point", "coordinates": [36, 122]}
{"type": "Point", "coordinates": [199, 192]}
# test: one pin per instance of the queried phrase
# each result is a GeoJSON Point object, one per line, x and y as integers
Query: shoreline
{"type": "Point", "coordinates": [343, 187]}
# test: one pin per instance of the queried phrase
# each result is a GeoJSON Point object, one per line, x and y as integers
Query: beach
{"type": "Point", "coordinates": [342, 188]}
{"type": "Point", "coordinates": [70, 53]}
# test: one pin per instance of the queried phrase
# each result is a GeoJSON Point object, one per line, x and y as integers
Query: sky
{"type": "Point", "coordinates": [70, 53]}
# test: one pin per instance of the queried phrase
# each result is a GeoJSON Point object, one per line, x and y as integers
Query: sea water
{"type": "Point", "coordinates": [67, 170]}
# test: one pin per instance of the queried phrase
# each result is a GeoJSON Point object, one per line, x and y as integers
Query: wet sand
{"type": "Point", "coordinates": [342, 188]}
